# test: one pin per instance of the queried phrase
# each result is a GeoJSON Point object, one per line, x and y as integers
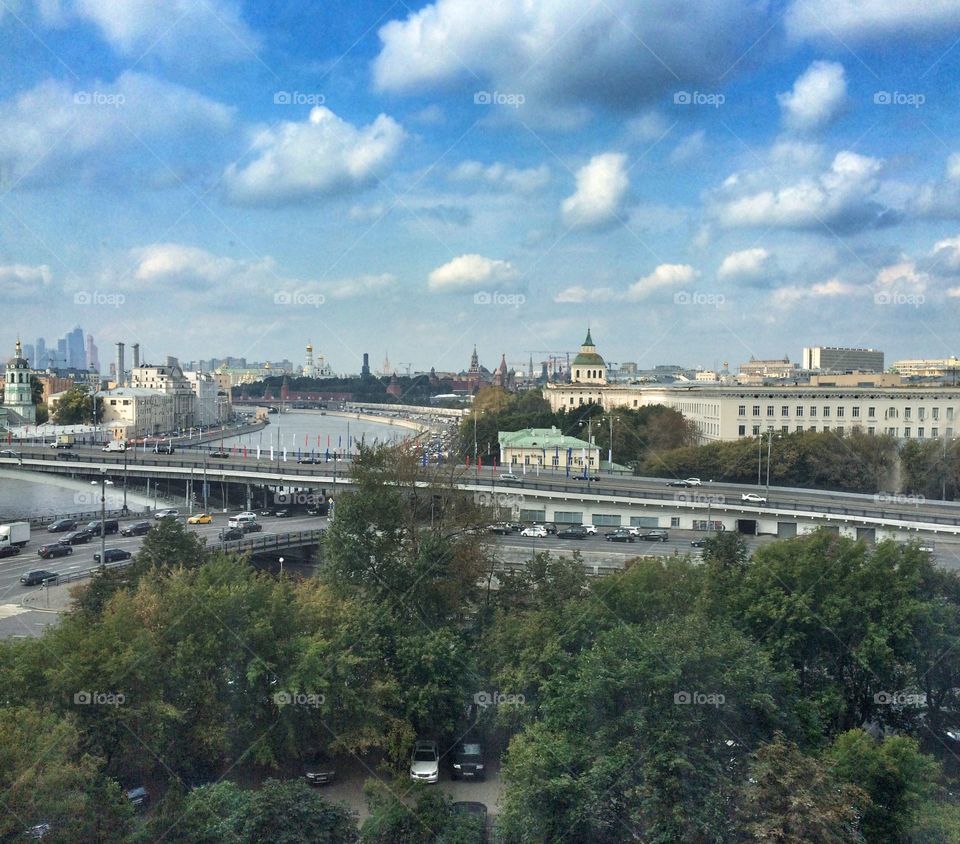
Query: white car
{"type": "Point", "coordinates": [694, 482]}
{"type": "Point", "coordinates": [538, 531]}
{"type": "Point", "coordinates": [509, 478]}
{"type": "Point", "coordinates": [425, 762]}
{"type": "Point", "coordinates": [753, 498]}
{"type": "Point", "coordinates": [591, 530]}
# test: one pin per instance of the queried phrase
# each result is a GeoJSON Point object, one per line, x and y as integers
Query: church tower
{"type": "Point", "coordinates": [17, 392]}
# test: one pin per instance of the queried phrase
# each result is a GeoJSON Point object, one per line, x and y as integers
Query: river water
{"type": "Point", "coordinates": [297, 430]}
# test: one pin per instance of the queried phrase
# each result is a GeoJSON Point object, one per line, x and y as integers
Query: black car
{"type": "Point", "coordinates": [318, 769]}
{"type": "Point", "coordinates": [112, 526]}
{"type": "Point", "coordinates": [312, 460]}
{"type": "Point", "coordinates": [35, 578]}
{"type": "Point", "coordinates": [230, 534]}
{"type": "Point", "coordinates": [620, 536]}
{"type": "Point", "coordinates": [502, 529]}
{"type": "Point", "coordinates": [136, 529]}
{"type": "Point", "coordinates": [698, 543]}
{"type": "Point", "coordinates": [9, 550]}
{"type": "Point", "coordinates": [65, 455]}
{"type": "Point", "coordinates": [468, 760]}
{"type": "Point", "coordinates": [250, 527]}
{"type": "Point", "coordinates": [62, 525]}
{"type": "Point", "coordinates": [78, 537]}
{"type": "Point", "coordinates": [584, 476]}
{"type": "Point", "coordinates": [163, 448]}
{"type": "Point", "coordinates": [574, 532]}
{"type": "Point", "coordinates": [54, 549]}
{"type": "Point", "coordinates": [220, 455]}
{"type": "Point", "coordinates": [113, 555]}
{"type": "Point", "coordinates": [679, 483]}
{"type": "Point", "coordinates": [655, 536]}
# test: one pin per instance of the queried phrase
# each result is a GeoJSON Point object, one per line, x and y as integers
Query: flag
{"type": "Point", "coordinates": [340, 441]}
{"type": "Point", "coordinates": [258, 452]}
{"type": "Point", "coordinates": [328, 441]}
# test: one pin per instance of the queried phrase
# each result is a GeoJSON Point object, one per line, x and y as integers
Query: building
{"type": "Point", "coordinates": [588, 367]}
{"type": "Point", "coordinates": [128, 412]}
{"type": "Point", "coordinates": [93, 355]}
{"type": "Point", "coordinates": [211, 406]}
{"type": "Point", "coordinates": [727, 412]}
{"type": "Point", "coordinates": [546, 448]}
{"type": "Point", "coordinates": [17, 391]}
{"type": "Point", "coordinates": [837, 359]}
{"type": "Point", "coordinates": [776, 368]}
{"type": "Point", "coordinates": [170, 380]}
{"type": "Point", "coordinates": [928, 368]}
{"type": "Point", "coordinates": [76, 349]}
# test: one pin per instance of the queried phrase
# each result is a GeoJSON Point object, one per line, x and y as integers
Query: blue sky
{"type": "Point", "coordinates": [698, 182]}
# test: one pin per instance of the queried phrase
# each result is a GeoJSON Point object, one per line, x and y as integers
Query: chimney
{"type": "Point", "coordinates": [121, 380]}
{"type": "Point", "coordinates": [136, 355]}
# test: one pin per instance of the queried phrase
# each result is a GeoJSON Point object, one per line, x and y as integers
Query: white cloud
{"type": "Point", "coordinates": [183, 32]}
{"type": "Point", "coordinates": [831, 289]}
{"type": "Point", "coordinates": [19, 282]}
{"type": "Point", "coordinates": [559, 51]}
{"type": "Point", "coordinates": [817, 97]}
{"type": "Point", "coordinates": [647, 127]}
{"type": "Point", "coordinates": [665, 275]}
{"type": "Point", "coordinates": [578, 294]}
{"type": "Point", "coordinates": [840, 198]}
{"type": "Point", "coordinates": [179, 266]}
{"type": "Point", "coordinates": [602, 185]}
{"type": "Point", "coordinates": [363, 285]}
{"type": "Point", "coordinates": [902, 277]}
{"type": "Point", "coordinates": [940, 199]}
{"type": "Point", "coordinates": [746, 265]}
{"type": "Point", "coordinates": [953, 166]}
{"type": "Point", "coordinates": [502, 177]}
{"type": "Point", "coordinates": [860, 20]}
{"type": "Point", "coordinates": [322, 156]}
{"type": "Point", "coordinates": [470, 272]}
{"type": "Point", "coordinates": [53, 131]}
{"type": "Point", "coordinates": [690, 148]}
{"type": "Point", "coordinates": [947, 253]}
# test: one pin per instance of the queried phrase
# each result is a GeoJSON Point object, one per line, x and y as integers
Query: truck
{"type": "Point", "coordinates": [63, 441]}
{"type": "Point", "coordinates": [15, 533]}
{"type": "Point", "coordinates": [115, 445]}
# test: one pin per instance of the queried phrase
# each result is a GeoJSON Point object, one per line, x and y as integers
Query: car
{"type": "Point", "coordinates": [550, 527]}
{"type": "Point", "coordinates": [425, 762]}
{"type": "Point", "coordinates": [318, 769]}
{"type": "Point", "coordinates": [683, 483]}
{"type": "Point", "coordinates": [54, 549]}
{"type": "Point", "coordinates": [573, 532]}
{"type": "Point", "coordinates": [62, 526]}
{"type": "Point", "coordinates": [590, 529]}
{"type": "Point", "coordinates": [693, 481]}
{"type": "Point", "coordinates": [230, 534]}
{"type": "Point", "coordinates": [655, 536]}
{"type": "Point", "coordinates": [251, 527]}
{"type": "Point", "coordinates": [136, 529]}
{"type": "Point", "coordinates": [220, 455]}
{"type": "Point", "coordinates": [310, 460]}
{"type": "Point", "coordinates": [59, 444]}
{"type": "Point", "coordinates": [247, 514]}
{"type": "Point", "coordinates": [139, 797]}
{"type": "Point", "coordinates": [35, 578]}
{"type": "Point", "coordinates": [9, 550]}
{"type": "Point", "coordinates": [698, 543]}
{"type": "Point", "coordinates": [65, 455]}
{"type": "Point", "coordinates": [510, 478]}
{"type": "Point", "coordinates": [8, 453]}
{"type": "Point", "coordinates": [111, 526]}
{"type": "Point", "coordinates": [200, 519]}
{"type": "Point", "coordinates": [113, 555]}
{"type": "Point", "coordinates": [620, 536]}
{"type": "Point", "coordinates": [468, 760]}
{"type": "Point", "coordinates": [282, 514]}
{"type": "Point", "coordinates": [753, 498]}
{"type": "Point", "coordinates": [585, 476]}
{"type": "Point", "coordinates": [163, 448]}
{"type": "Point", "coordinates": [538, 531]}
{"type": "Point", "coordinates": [168, 513]}
{"type": "Point", "coordinates": [78, 537]}
{"type": "Point", "coordinates": [501, 529]}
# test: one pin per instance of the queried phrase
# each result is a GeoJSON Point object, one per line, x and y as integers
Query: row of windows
{"type": "Point", "coordinates": [921, 432]}
{"type": "Point", "coordinates": [799, 410]}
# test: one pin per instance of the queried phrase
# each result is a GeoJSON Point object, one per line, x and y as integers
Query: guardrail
{"type": "Point", "coordinates": [275, 542]}
{"type": "Point", "coordinates": [39, 521]}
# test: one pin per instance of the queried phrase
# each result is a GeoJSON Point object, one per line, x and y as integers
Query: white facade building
{"type": "Point", "coordinates": [208, 404]}
{"type": "Point", "coordinates": [135, 412]}
{"type": "Point", "coordinates": [170, 380]}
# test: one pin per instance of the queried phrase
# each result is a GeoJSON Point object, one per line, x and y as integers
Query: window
{"type": "Point", "coordinates": [906, 432]}
{"type": "Point", "coordinates": [855, 412]}
{"type": "Point", "coordinates": [812, 428]}
{"type": "Point", "coordinates": [826, 412]}
{"type": "Point", "coordinates": [674, 521]}
{"type": "Point", "coordinates": [921, 413]}
{"type": "Point", "coordinates": [799, 428]}
{"type": "Point", "coordinates": [826, 429]}
{"type": "Point", "coordinates": [872, 412]}
{"type": "Point", "coordinates": [769, 410]}
{"type": "Point", "coordinates": [756, 430]}
{"type": "Point", "coordinates": [784, 410]}
{"type": "Point", "coordinates": [949, 433]}
{"type": "Point", "coordinates": [839, 429]}
{"type": "Point", "coordinates": [742, 410]}
{"type": "Point", "coordinates": [813, 411]}
{"type": "Point", "coordinates": [800, 412]}
{"type": "Point", "coordinates": [920, 433]}
{"type": "Point", "coordinates": [935, 413]}
{"type": "Point", "coordinates": [785, 428]}
{"type": "Point", "coordinates": [934, 432]}
{"type": "Point", "coordinates": [871, 430]}
{"type": "Point", "coordinates": [756, 410]}
{"type": "Point", "coordinates": [906, 413]}
{"type": "Point", "coordinates": [840, 412]}
{"type": "Point", "coordinates": [606, 519]}
{"type": "Point", "coordinates": [949, 414]}
{"type": "Point", "coordinates": [741, 430]}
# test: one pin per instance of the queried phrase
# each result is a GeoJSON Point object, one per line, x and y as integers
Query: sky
{"type": "Point", "coordinates": [698, 183]}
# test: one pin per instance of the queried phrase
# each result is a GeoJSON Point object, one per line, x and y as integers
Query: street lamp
{"type": "Point", "coordinates": [281, 567]}
{"type": "Point", "coordinates": [103, 514]}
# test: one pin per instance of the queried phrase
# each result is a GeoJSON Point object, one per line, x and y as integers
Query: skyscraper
{"type": "Point", "coordinates": [76, 352]}
{"type": "Point", "coordinates": [93, 357]}
{"type": "Point", "coordinates": [41, 360]}
{"type": "Point", "coordinates": [61, 360]}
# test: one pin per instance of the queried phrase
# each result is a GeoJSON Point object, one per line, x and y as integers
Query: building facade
{"type": "Point", "coordinates": [17, 391]}
{"type": "Point", "coordinates": [170, 380]}
{"type": "Point", "coordinates": [128, 412]}
{"type": "Point", "coordinates": [546, 448]}
{"type": "Point", "coordinates": [838, 359]}
{"type": "Point", "coordinates": [928, 367]}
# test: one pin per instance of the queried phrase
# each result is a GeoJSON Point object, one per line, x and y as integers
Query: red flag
{"type": "Point", "coordinates": [328, 441]}
{"type": "Point", "coordinates": [244, 452]}
{"type": "Point", "coordinates": [468, 459]}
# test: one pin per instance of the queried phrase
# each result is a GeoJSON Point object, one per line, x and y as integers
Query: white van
{"type": "Point", "coordinates": [241, 519]}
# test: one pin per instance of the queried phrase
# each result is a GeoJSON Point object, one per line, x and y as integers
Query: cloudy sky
{"type": "Point", "coordinates": [698, 182]}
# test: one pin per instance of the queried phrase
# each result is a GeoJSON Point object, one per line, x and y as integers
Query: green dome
{"type": "Point", "coordinates": [588, 359]}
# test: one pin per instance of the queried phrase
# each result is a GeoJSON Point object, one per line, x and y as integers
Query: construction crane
{"type": "Point", "coordinates": [553, 356]}
{"type": "Point", "coordinates": [407, 365]}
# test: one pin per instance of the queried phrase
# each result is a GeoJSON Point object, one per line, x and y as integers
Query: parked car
{"type": "Point", "coordinates": [113, 555]}
{"type": "Point", "coordinates": [573, 532]}
{"type": "Point", "coordinates": [318, 769]}
{"type": "Point", "coordinates": [230, 534]}
{"type": "Point", "coordinates": [590, 529]}
{"type": "Point", "coordinates": [169, 513]}
{"type": "Point", "coordinates": [136, 529]}
{"type": "Point", "coordinates": [35, 578]}
{"type": "Point", "coordinates": [200, 519]}
{"type": "Point", "coordinates": [65, 455]}
{"type": "Point", "coordinates": [468, 760]}
{"type": "Point", "coordinates": [62, 526]}
{"type": "Point", "coordinates": [9, 550]}
{"type": "Point", "coordinates": [501, 529]}
{"type": "Point", "coordinates": [586, 476]}
{"type": "Point", "coordinates": [251, 527]}
{"type": "Point", "coordinates": [620, 536]}
{"type": "Point", "coordinates": [139, 797]}
{"type": "Point", "coordinates": [536, 531]}
{"type": "Point", "coordinates": [54, 549]}
{"type": "Point", "coordinates": [78, 537]}
{"type": "Point", "coordinates": [510, 478]}
{"type": "Point", "coordinates": [425, 762]}
{"type": "Point", "coordinates": [753, 498]}
{"type": "Point", "coordinates": [282, 514]}
{"type": "Point", "coordinates": [655, 536]}
{"type": "Point", "coordinates": [38, 831]}
{"type": "Point", "coordinates": [550, 527]}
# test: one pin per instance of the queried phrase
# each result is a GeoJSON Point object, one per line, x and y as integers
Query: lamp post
{"type": "Point", "coordinates": [103, 514]}
{"type": "Point", "coordinates": [281, 567]}
{"type": "Point", "coordinates": [610, 450]}
{"type": "Point", "coordinates": [769, 447]}
{"type": "Point", "coordinates": [759, 457]}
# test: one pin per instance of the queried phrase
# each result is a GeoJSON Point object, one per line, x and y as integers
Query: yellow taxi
{"type": "Point", "coordinates": [200, 519]}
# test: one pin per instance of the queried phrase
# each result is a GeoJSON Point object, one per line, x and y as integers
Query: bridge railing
{"type": "Point", "coordinates": [40, 521]}
{"type": "Point", "coordinates": [275, 542]}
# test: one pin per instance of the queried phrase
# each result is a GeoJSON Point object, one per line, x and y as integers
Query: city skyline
{"type": "Point", "coordinates": [225, 179]}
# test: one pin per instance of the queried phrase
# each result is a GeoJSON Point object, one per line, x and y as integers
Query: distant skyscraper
{"type": "Point", "coordinates": [93, 358]}
{"type": "Point", "coordinates": [61, 359]}
{"type": "Point", "coordinates": [29, 355]}
{"type": "Point", "coordinates": [365, 369]}
{"type": "Point", "coordinates": [41, 353]}
{"type": "Point", "coordinates": [76, 351]}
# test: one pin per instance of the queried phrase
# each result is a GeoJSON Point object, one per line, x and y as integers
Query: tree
{"type": "Point", "coordinates": [429, 821]}
{"type": "Point", "coordinates": [75, 407]}
{"type": "Point", "coordinates": [36, 395]}
{"type": "Point", "coordinates": [290, 812]}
